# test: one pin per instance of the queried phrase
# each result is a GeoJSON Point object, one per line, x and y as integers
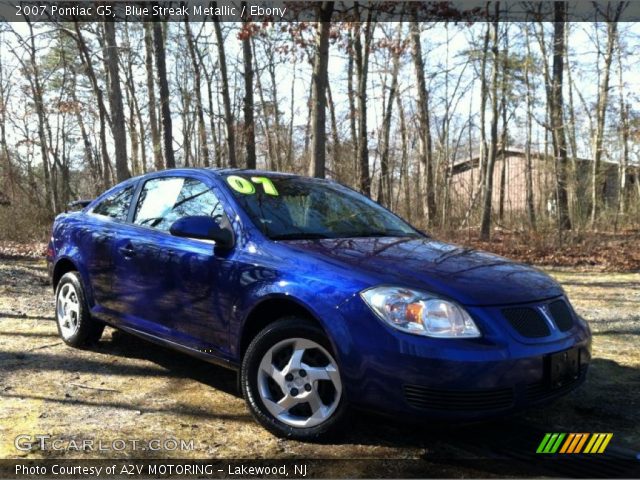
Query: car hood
{"type": "Point", "coordinates": [468, 276]}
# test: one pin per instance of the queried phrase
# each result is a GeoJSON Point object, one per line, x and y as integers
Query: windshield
{"type": "Point", "coordinates": [303, 208]}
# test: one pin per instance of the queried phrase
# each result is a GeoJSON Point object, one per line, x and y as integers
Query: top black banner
{"type": "Point", "coordinates": [309, 11]}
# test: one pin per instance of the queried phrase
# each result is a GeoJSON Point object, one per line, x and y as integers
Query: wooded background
{"type": "Point", "coordinates": [397, 110]}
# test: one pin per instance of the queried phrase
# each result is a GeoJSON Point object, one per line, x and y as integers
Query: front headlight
{"type": "Point", "coordinates": [420, 313]}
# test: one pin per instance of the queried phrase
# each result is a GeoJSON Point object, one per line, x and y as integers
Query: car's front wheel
{"type": "Point", "coordinates": [75, 325]}
{"type": "Point", "coordinates": [291, 381]}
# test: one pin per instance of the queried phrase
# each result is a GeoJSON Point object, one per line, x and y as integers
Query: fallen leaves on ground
{"type": "Point", "coordinates": [15, 250]}
{"type": "Point", "coordinates": [597, 251]}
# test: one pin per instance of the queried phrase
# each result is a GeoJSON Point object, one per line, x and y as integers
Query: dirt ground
{"type": "Point", "coordinates": [125, 388]}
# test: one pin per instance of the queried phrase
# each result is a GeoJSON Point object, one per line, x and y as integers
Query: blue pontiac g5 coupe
{"type": "Point", "coordinates": [321, 298]}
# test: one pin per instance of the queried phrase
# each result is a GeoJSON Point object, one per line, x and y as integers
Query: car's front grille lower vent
{"type": "Point", "coordinates": [437, 399]}
{"type": "Point", "coordinates": [528, 322]}
{"type": "Point", "coordinates": [561, 315]}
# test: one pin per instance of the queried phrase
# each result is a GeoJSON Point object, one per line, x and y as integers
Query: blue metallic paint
{"type": "Point", "coordinates": [186, 293]}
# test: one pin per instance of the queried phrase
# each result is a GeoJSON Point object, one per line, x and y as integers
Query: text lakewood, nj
{"type": "Point", "coordinates": [204, 10]}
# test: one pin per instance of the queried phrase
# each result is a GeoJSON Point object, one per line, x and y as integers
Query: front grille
{"type": "Point", "coordinates": [437, 399]}
{"type": "Point", "coordinates": [543, 390]}
{"type": "Point", "coordinates": [561, 315]}
{"type": "Point", "coordinates": [528, 322]}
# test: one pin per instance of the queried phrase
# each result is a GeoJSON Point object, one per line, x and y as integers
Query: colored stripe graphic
{"type": "Point", "coordinates": [550, 443]}
{"type": "Point", "coordinates": [567, 442]}
{"type": "Point", "coordinates": [605, 442]}
{"type": "Point", "coordinates": [555, 447]}
{"type": "Point", "coordinates": [543, 443]}
{"type": "Point", "coordinates": [581, 443]}
{"type": "Point", "coordinates": [571, 443]}
{"type": "Point", "coordinates": [599, 443]}
{"type": "Point", "coordinates": [592, 440]}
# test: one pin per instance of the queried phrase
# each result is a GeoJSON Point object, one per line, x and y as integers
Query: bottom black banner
{"type": "Point", "coordinates": [583, 467]}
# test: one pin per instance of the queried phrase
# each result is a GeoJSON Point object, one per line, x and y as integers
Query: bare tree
{"type": "Point", "coordinates": [426, 153]}
{"type": "Point", "coordinates": [556, 109]}
{"type": "Point", "coordinates": [385, 190]}
{"type": "Point", "coordinates": [362, 68]}
{"type": "Point", "coordinates": [319, 86]}
{"type": "Point", "coordinates": [228, 114]}
{"type": "Point", "coordinates": [161, 67]}
{"type": "Point", "coordinates": [151, 90]}
{"type": "Point", "coordinates": [195, 61]}
{"type": "Point", "coordinates": [487, 197]}
{"type": "Point", "coordinates": [249, 123]}
{"type": "Point", "coordinates": [115, 100]}
{"type": "Point", "coordinates": [601, 107]}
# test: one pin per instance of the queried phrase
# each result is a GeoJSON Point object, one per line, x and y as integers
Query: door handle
{"type": "Point", "coordinates": [127, 251]}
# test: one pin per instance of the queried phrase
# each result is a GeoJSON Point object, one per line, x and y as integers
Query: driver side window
{"type": "Point", "coordinates": [167, 199]}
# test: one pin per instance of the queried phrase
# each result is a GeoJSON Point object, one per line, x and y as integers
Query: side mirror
{"type": "Point", "coordinates": [204, 228]}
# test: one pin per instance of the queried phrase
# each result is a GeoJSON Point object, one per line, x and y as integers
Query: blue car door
{"type": "Point", "coordinates": [167, 286]}
{"type": "Point", "coordinates": [96, 242]}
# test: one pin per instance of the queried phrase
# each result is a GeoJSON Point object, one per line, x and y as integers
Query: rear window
{"type": "Point", "coordinates": [116, 205]}
{"type": "Point", "coordinates": [167, 199]}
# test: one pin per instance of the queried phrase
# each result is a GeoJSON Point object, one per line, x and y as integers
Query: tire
{"type": "Point", "coordinates": [291, 382]}
{"type": "Point", "coordinates": [75, 325]}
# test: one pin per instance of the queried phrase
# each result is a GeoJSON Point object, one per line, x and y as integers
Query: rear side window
{"type": "Point", "coordinates": [165, 200]}
{"type": "Point", "coordinates": [116, 206]}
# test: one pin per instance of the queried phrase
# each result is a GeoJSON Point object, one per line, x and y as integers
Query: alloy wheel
{"type": "Point", "coordinates": [68, 310]}
{"type": "Point", "coordinates": [299, 382]}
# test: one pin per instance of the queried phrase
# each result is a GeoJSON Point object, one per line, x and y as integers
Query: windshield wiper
{"type": "Point", "coordinates": [379, 233]}
{"type": "Point", "coordinates": [299, 236]}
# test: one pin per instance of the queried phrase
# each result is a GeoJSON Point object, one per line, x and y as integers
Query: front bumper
{"type": "Point", "coordinates": [402, 374]}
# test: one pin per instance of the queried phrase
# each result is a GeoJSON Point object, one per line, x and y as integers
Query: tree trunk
{"type": "Point", "coordinates": [484, 146]}
{"type": "Point", "coordinates": [136, 127]}
{"type": "Point", "coordinates": [115, 101]}
{"type": "Point", "coordinates": [385, 177]}
{"type": "Point", "coordinates": [36, 89]}
{"type": "Point", "coordinates": [362, 70]}
{"type": "Point", "coordinates": [195, 60]}
{"type": "Point", "coordinates": [319, 80]}
{"type": "Point", "coordinates": [405, 161]}
{"type": "Point", "coordinates": [426, 153]}
{"type": "Point", "coordinates": [266, 123]}
{"type": "Point", "coordinates": [212, 117]}
{"type": "Point", "coordinates": [577, 178]}
{"type": "Point", "coordinates": [504, 137]}
{"type": "Point", "coordinates": [103, 115]}
{"type": "Point", "coordinates": [601, 113]}
{"type": "Point", "coordinates": [531, 213]}
{"type": "Point", "coordinates": [487, 199]}
{"type": "Point", "coordinates": [352, 107]}
{"type": "Point", "coordinates": [161, 66]}
{"type": "Point", "coordinates": [153, 119]}
{"type": "Point", "coordinates": [557, 117]}
{"type": "Point", "coordinates": [228, 114]}
{"type": "Point", "coordinates": [334, 128]}
{"type": "Point", "coordinates": [624, 134]}
{"type": "Point", "coordinates": [249, 124]}
{"type": "Point", "coordinates": [4, 94]}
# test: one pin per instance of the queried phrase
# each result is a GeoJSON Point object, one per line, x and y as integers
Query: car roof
{"type": "Point", "coordinates": [218, 172]}
{"type": "Point", "coordinates": [249, 171]}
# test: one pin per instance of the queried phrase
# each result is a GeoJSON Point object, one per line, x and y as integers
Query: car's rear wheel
{"type": "Point", "coordinates": [291, 381]}
{"type": "Point", "coordinates": [75, 325]}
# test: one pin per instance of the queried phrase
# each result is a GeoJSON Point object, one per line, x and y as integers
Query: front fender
{"type": "Point", "coordinates": [321, 301]}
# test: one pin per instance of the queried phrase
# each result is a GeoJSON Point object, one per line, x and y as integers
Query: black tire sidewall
{"type": "Point", "coordinates": [283, 329]}
{"type": "Point", "coordinates": [89, 330]}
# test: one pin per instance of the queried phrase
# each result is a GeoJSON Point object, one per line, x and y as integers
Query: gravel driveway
{"type": "Point", "coordinates": [126, 388]}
